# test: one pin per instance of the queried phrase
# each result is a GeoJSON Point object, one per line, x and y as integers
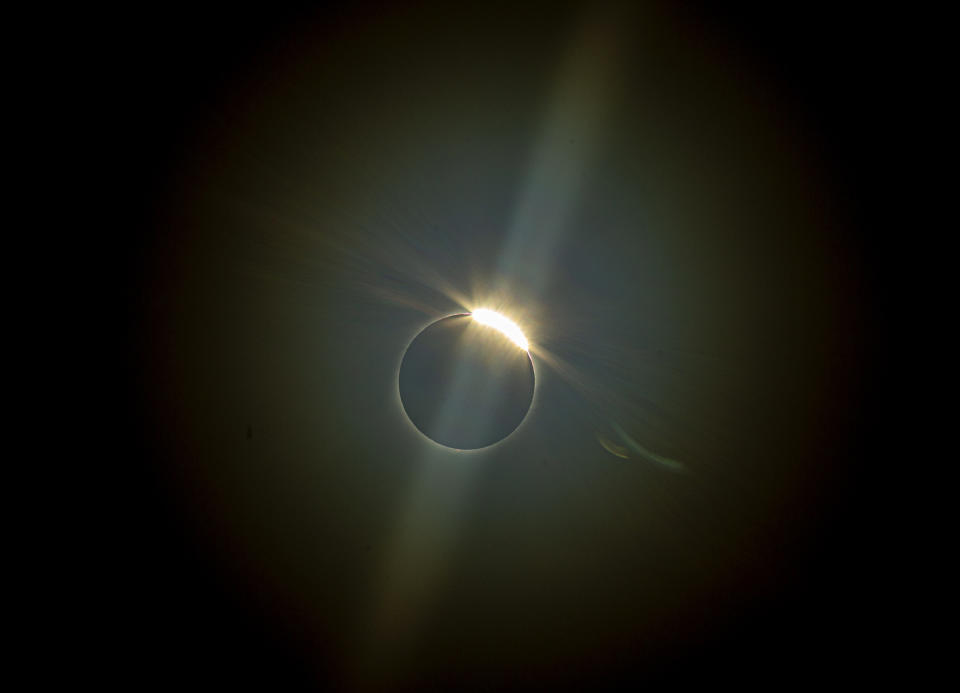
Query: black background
{"type": "Point", "coordinates": [155, 609]}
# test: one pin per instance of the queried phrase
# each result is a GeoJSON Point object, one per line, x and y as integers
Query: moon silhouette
{"type": "Point", "coordinates": [465, 384]}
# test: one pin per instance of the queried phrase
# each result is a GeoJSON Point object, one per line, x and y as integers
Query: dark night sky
{"type": "Point", "coordinates": [679, 206]}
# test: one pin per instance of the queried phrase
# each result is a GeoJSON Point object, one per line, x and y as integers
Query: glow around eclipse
{"type": "Point", "coordinates": [505, 325]}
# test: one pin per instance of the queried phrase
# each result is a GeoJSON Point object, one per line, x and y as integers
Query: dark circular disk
{"type": "Point", "coordinates": [465, 385]}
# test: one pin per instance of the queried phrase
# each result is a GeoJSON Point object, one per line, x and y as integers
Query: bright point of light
{"type": "Point", "coordinates": [503, 324]}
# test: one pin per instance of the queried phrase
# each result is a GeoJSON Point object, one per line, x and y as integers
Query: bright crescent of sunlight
{"type": "Point", "coordinates": [508, 327]}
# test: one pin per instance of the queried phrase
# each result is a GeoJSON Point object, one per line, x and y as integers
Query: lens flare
{"type": "Point", "coordinates": [508, 327]}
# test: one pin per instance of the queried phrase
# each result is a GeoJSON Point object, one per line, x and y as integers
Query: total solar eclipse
{"type": "Point", "coordinates": [466, 381]}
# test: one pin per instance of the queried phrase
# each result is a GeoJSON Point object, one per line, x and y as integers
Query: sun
{"type": "Point", "coordinates": [503, 324]}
